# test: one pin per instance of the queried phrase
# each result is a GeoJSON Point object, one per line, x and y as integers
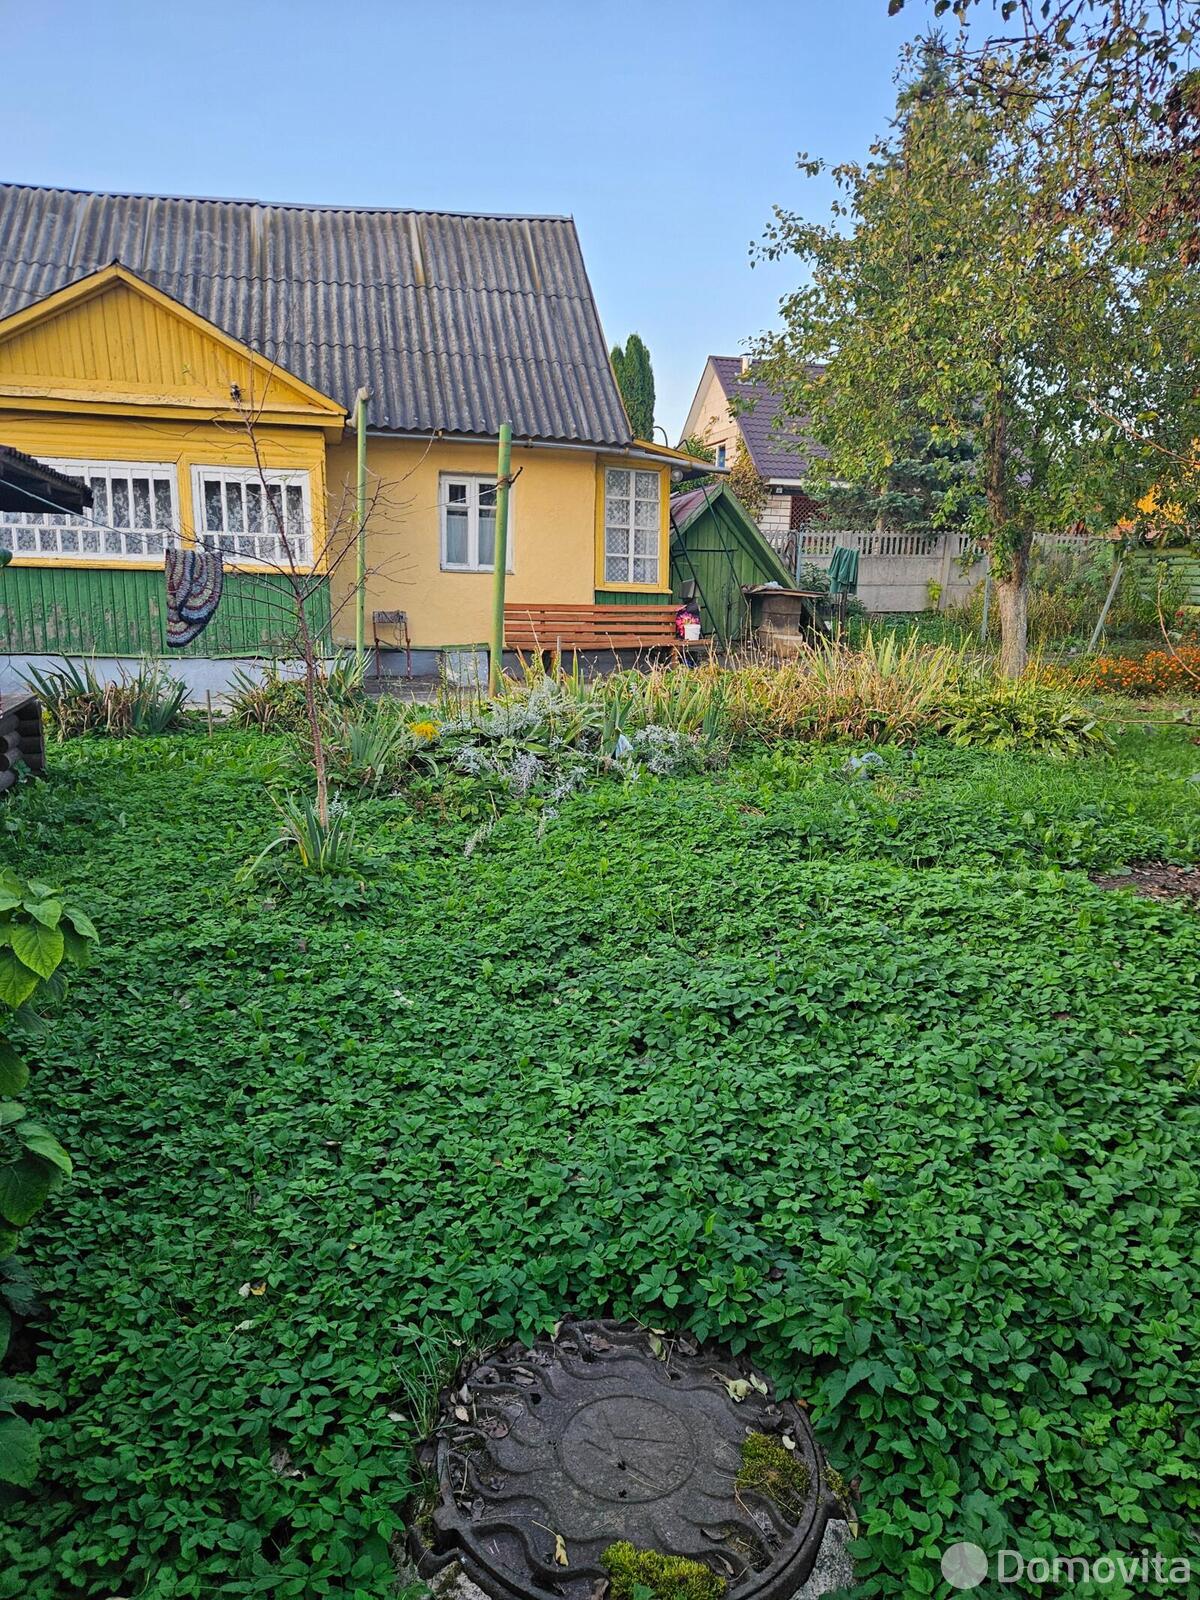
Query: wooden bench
{"type": "Point", "coordinates": [555, 630]}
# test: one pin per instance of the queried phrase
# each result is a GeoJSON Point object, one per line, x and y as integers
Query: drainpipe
{"type": "Point", "coordinates": [500, 560]}
{"type": "Point", "coordinates": [360, 599]}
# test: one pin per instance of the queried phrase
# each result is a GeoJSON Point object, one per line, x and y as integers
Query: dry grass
{"type": "Point", "coordinates": [887, 690]}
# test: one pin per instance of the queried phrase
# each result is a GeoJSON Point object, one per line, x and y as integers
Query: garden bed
{"type": "Point", "coordinates": [1156, 880]}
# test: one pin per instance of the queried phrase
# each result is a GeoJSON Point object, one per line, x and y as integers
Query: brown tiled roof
{"type": "Point", "coordinates": [776, 443]}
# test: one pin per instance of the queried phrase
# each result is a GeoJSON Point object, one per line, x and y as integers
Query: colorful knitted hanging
{"type": "Point", "coordinates": [195, 579]}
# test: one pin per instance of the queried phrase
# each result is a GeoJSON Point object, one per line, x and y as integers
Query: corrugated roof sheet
{"type": "Point", "coordinates": [455, 323]}
{"type": "Point", "coordinates": [686, 505]}
{"type": "Point", "coordinates": [777, 444]}
{"type": "Point", "coordinates": [27, 484]}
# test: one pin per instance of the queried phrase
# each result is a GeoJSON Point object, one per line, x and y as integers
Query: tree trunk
{"type": "Point", "coordinates": [1012, 593]}
{"type": "Point", "coordinates": [1008, 550]}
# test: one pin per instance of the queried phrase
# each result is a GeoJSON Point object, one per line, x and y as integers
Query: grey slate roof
{"type": "Point", "coordinates": [455, 323]}
{"type": "Point", "coordinates": [776, 444]}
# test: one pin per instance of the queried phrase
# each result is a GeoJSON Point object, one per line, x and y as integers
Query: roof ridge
{"type": "Point", "coordinates": [295, 205]}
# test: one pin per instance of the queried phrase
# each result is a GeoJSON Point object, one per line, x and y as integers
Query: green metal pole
{"type": "Point", "coordinates": [360, 598]}
{"type": "Point", "coordinates": [500, 560]}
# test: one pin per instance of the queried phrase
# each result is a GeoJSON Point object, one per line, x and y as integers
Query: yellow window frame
{"type": "Point", "coordinates": [625, 464]}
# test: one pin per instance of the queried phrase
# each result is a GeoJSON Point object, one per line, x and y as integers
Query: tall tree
{"type": "Point", "coordinates": [962, 291]}
{"type": "Point", "coordinates": [635, 379]}
{"type": "Point", "coordinates": [1131, 63]}
{"type": "Point", "coordinates": [917, 488]}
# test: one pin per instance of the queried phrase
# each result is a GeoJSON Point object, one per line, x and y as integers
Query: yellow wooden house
{"type": "Point", "coordinates": [192, 360]}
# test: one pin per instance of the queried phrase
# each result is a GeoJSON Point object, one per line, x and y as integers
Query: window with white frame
{"type": "Point", "coordinates": [133, 516]}
{"type": "Point", "coordinates": [467, 508]}
{"type": "Point", "coordinates": [720, 462]}
{"type": "Point", "coordinates": [248, 514]}
{"type": "Point", "coordinates": [632, 525]}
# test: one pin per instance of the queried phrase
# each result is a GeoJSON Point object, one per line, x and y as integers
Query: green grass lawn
{"type": "Point", "coordinates": [857, 1075]}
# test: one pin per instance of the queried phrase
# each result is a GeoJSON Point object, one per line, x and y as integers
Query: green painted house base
{"type": "Point", "coordinates": [88, 611]}
{"type": "Point", "coordinates": [622, 597]}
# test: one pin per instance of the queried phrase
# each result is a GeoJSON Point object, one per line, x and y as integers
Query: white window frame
{"type": "Point", "coordinates": [621, 527]}
{"type": "Point", "coordinates": [267, 548]}
{"type": "Point", "coordinates": [473, 482]}
{"type": "Point", "coordinates": [49, 526]}
{"type": "Point", "coordinates": [720, 458]}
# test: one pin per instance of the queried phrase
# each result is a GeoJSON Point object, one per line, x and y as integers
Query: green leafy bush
{"type": "Point", "coordinates": [273, 699]}
{"type": "Point", "coordinates": [39, 931]}
{"type": "Point", "coordinates": [1025, 715]}
{"type": "Point", "coordinates": [146, 702]}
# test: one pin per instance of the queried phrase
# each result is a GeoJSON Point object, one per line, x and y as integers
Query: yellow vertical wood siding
{"type": "Point", "coordinates": [113, 341]}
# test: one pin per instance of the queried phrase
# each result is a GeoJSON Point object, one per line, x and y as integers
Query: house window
{"type": "Point", "coordinates": [133, 516]}
{"type": "Point", "coordinates": [720, 462]}
{"type": "Point", "coordinates": [632, 525]}
{"type": "Point", "coordinates": [468, 517]}
{"type": "Point", "coordinates": [255, 516]}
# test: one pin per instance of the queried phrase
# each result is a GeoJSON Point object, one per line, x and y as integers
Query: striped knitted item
{"type": "Point", "coordinates": [195, 579]}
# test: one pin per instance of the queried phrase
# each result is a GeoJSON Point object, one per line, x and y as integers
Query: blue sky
{"type": "Point", "coordinates": [667, 131]}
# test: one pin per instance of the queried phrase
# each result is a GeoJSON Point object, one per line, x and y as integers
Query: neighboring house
{"type": "Point", "coordinates": [717, 553]}
{"type": "Point", "coordinates": [728, 408]}
{"type": "Point", "coordinates": [138, 332]}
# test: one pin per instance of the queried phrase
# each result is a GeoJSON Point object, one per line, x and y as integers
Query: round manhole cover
{"type": "Point", "coordinates": [606, 1435]}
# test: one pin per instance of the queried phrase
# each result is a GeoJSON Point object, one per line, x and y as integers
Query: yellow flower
{"type": "Point", "coordinates": [423, 730]}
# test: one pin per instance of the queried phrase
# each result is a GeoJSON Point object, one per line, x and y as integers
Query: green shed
{"type": "Point", "coordinates": [716, 552]}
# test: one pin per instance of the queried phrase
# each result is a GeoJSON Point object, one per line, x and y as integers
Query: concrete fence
{"type": "Point", "coordinates": [896, 570]}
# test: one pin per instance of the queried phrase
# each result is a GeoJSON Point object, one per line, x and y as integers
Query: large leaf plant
{"type": "Point", "coordinates": [41, 932]}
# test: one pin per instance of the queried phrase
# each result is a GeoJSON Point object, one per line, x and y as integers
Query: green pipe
{"type": "Point", "coordinates": [360, 598]}
{"type": "Point", "coordinates": [500, 560]}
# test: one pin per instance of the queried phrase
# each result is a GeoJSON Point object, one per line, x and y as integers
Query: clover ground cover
{"type": "Point", "coordinates": [851, 1074]}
